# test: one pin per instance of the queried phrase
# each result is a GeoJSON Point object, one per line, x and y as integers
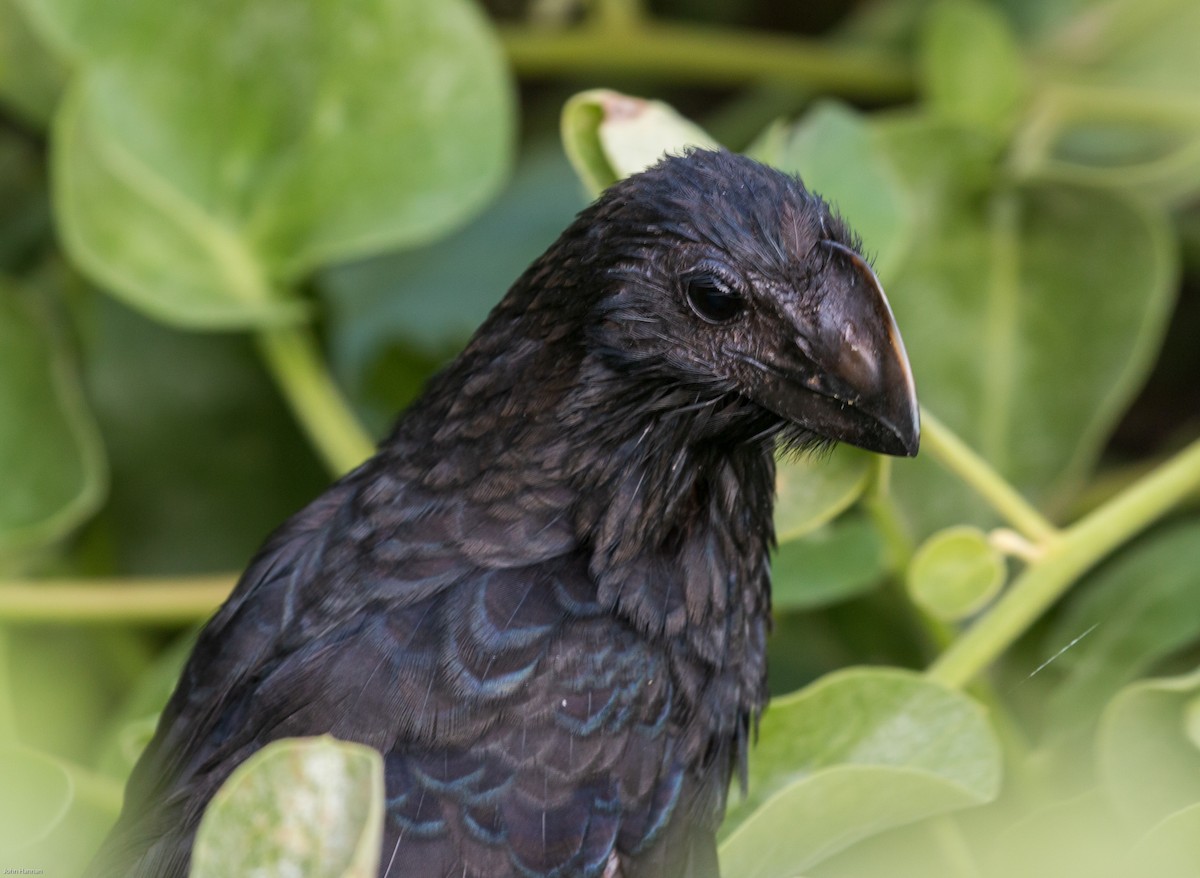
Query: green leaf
{"type": "Point", "coordinates": [1171, 849]}
{"type": "Point", "coordinates": [955, 573]}
{"type": "Point", "coordinates": [834, 150]}
{"type": "Point", "coordinates": [31, 78]}
{"type": "Point", "coordinates": [855, 753]}
{"type": "Point", "coordinates": [129, 730]}
{"type": "Point", "coordinates": [64, 681]}
{"type": "Point", "coordinates": [205, 457]}
{"type": "Point", "coordinates": [1136, 610]}
{"type": "Point", "coordinates": [835, 562]}
{"type": "Point", "coordinates": [395, 317]}
{"type": "Point", "coordinates": [1149, 765]}
{"type": "Point", "coordinates": [1079, 837]}
{"type": "Point", "coordinates": [971, 66]}
{"type": "Point", "coordinates": [310, 807]}
{"type": "Point", "coordinates": [1007, 326]}
{"type": "Point", "coordinates": [1098, 144]}
{"type": "Point", "coordinates": [811, 490]}
{"type": "Point", "coordinates": [128, 229]}
{"type": "Point", "coordinates": [204, 166]}
{"type": "Point", "coordinates": [608, 135]}
{"type": "Point", "coordinates": [34, 798]}
{"type": "Point", "coordinates": [1135, 124]}
{"type": "Point", "coordinates": [51, 462]}
{"type": "Point", "coordinates": [1132, 44]}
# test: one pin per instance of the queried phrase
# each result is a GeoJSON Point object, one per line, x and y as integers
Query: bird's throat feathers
{"type": "Point", "coordinates": [670, 505]}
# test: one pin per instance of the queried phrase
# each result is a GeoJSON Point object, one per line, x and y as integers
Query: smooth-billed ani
{"type": "Point", "coordinates": [546, 598]}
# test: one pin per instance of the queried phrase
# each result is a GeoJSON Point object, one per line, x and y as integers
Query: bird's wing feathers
{"type": "Point", "coordinates": [572, 763]}
{"type": "Point", "coordinates": [522, 726]}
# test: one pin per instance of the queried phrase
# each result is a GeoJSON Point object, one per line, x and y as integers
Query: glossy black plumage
{"type": "Point", "coordinates": [546, 598]}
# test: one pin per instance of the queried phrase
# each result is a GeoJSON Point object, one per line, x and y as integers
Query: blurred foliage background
{"type": "Point", "coordinates": [236, 237]}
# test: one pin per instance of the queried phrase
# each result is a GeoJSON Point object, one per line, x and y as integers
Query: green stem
{"type": "Point", "coordinates": [166, 601]}
{"type": "Point", "coordinates": [709, 56]}
{"type": "Point", "coordinates": [977, 473]}
{"type": "Point", "coordinates": [1073, 552]}
{"type": "Point", "coordinates": [1059, 106]}
{"type": "Point", "coordinates": [881, 506]}
{"type": "Point", "coordinates": [296, 362]}
{"type": "Point", "coordinates": [623, 15]}
{"type": "Point", "coordinates": [1002, 319]}
{"type": "Point", "coordinates": [956, 852]}
{"type": "Point", "coordinates": [1093, 37]}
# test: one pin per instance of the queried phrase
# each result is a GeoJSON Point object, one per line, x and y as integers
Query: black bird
{"type": "Point", "coordinates": [545, 599]}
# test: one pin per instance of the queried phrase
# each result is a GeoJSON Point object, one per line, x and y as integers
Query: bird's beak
{"type": "Point", "coordinates": [848, 378]}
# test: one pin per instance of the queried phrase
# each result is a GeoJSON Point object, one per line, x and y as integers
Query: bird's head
{"type": "Point", "coordinates": [730, 279]}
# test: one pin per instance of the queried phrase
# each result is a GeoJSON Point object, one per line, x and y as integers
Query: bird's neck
{"type": "Point", "coordinates": [672, 514]}
{"type": "Point", "coordinates": [672, 508]}
{"type": "Point", "coordinates": [677, 518]}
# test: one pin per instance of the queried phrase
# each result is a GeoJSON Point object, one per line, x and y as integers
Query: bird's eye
{"type": "Point", "coordinates": [713, 299]}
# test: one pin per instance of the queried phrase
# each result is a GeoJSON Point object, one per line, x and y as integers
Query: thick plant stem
{"type": "Point", "coordinates": [705, 55]}
{"type": "Point", "coordinates": [1073, 552]}
{"type": "Point", "coordinates": [299, 369]}
{"type": "Point", "coordinates": [167, 601]}
{"type": "Point", "coordinates": [880, 505]}
{"type": "Point", "coordinates": [953, 453]}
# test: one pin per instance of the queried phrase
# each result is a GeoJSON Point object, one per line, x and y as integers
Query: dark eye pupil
{"type": "Point", "coordinates": [712, 301]}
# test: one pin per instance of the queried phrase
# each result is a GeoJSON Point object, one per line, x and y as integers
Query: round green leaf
{"type": "Point", "coordinates": [63, 682]}
{"type": "Point", "coordinates": [832, 563]}
{"type": "Point", "coordinates": [1149, 765]}
{"type": "Point", "coordinates": [838, 156]}
{"type": "Point", "coordinates": [51, 462]}
{"type": "Point", "coordinates": [811, 490]}
{"type": "Point", "coordinates": [1136, 610]}
{"type": "Point", "coordinates": [608, 135]}
{"type": "Point", "coordinates": [1042, 305]}
{"type": "Point", "coordinates": [1077, 837]}
{"type": "Point", "coordinates": [955, 573]}
{"type": "Point", "coordinates": [1104, 146]}
{"type": "Point", "coordinates": [310, 807]}
{"type": "Point", "coordinates": [1171, 849]}
{"type": "Point", "coordinates": [857, 752]}
{"type": "Point", "coordinates": [132, 726]}
{"type": "Point", "coordinates": [31, 78]}
{"type": "Point", "coordinates": [1143, 47]}
{"type": "Point", "coordinates": [34, 797]}
{"type": "Point", "coordinates": [199, 443]}
{"type": "Point", "coordinates": [394, 318]}
{"type": "Point", "coordinates": [1135, 123]}
{"type": "Point", "coordinates": [971, 66]}
{"type": "Point", "coordinates": [230, 148]}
